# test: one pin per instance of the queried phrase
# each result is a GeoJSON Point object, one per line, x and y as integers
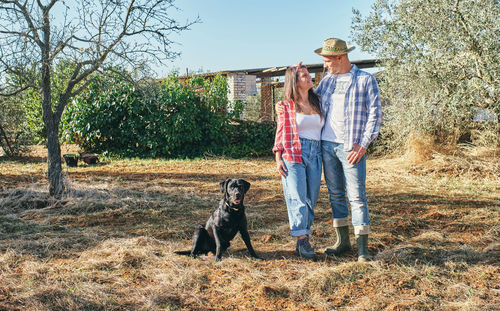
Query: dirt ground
{"type": "Point", "coordinates": [109, 244]}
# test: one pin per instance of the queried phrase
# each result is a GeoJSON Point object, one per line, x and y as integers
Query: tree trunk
{"type": "Point", "coordinates": [51, 120]}
{"type": "Point", "coordinates": [498, 130]}
{"type": "Point", "coordinates": [56, 185]}
{"type": "Point", "coordinates": [6, 147]}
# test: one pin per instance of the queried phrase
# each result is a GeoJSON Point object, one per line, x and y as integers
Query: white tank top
{"type": "Point", "coordinates": [309, 125]}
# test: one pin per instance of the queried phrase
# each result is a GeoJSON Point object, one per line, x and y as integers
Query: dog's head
{"type": "Point", "coordinates": [234, 191]}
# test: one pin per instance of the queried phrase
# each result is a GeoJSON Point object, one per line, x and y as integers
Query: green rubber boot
{"type": "Point", "coordinates": [362, 242]}
{"type": "Point", "coordinates": [343, 244]}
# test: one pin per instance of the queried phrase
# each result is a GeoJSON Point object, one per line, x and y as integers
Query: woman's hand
{"type": "Point", "coordinates": [279, 107]}
{"type": "Point", "coordinates": [280, 165]}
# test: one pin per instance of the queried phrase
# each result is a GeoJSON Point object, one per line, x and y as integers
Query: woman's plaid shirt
{"type": "Point", "coordinates": [287, 137]}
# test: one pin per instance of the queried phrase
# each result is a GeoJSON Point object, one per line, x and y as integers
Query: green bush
{"type": "Point", "coordinates": [14, 135]}
{"type": "Point", "coordinates": [249, 138]}
{"type": "Point", "coordinates": [165, 119]}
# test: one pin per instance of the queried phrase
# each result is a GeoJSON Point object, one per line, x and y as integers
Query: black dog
{"type": "Point", "coordinates": [224, 223]}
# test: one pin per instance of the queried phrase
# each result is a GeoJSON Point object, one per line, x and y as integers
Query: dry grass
{"type": "Point", "coordinates": [108, 245]}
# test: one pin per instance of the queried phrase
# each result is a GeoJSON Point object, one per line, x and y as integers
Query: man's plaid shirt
{"type": "Point", "coordinates": [287, 137]}
{"type": "Point", "coordinates": [362, 111]}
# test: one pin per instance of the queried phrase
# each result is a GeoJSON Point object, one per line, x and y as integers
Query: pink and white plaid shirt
{"type": "Point", "coordinates": [287, 137]}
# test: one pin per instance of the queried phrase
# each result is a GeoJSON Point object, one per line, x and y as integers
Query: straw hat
{"type": "Point", "coordinates": [334, 46]}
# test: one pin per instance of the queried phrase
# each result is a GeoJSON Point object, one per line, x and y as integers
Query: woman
{"type": "Point", "coordinates": [297, 150]}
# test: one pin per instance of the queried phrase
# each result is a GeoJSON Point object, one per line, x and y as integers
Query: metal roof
{"type": "Point", "coordinates": [280, 71]}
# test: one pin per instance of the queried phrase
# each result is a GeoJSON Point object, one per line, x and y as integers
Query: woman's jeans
{"type": "Point", "coordinates": [342, 177]}
{"type": "Point", "coordinates": [301, 187]}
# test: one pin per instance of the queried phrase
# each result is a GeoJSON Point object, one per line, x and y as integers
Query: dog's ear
{"type": "Point", "coordinates": [223, 185]}
{"type": "Point", "coordinates": [246, 185]}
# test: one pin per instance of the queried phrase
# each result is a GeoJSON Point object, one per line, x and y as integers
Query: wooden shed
{"type": "Point", "coordinates": [243, 82]}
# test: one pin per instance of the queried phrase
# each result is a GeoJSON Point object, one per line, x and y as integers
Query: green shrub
{"type": "Point", "coordinates": [249, 139]}
{"type": "Point", "coordinates": [14, 136]}
{"type": "Point", "coordinates": [165, 119]}
{"type": "Point", "coordinates": [99, 119]}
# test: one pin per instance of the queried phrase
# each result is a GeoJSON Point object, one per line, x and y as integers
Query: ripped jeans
{"type": "Point", "coordinates": [301, 187]}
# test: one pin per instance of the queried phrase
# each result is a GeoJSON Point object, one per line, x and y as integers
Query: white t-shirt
{"type": "Point", "coordinates": [334, 127]}
{"type": "Point", "coordinates": [309, 125]}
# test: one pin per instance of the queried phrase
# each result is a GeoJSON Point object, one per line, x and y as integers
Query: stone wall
{"type": "Point", "coordinates": [237, 86]}
{"type": "Point", "coordinates": [240, 85]}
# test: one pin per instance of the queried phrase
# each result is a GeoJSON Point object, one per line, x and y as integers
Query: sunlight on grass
{"type": "Point", "coordinates": [109, 243]}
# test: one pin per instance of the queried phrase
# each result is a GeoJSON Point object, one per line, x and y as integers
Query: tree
{"type": "Point", "coordinates": [92, 35]}
{"type": "Point", "coordinates": [441, 62]}
{"type": "Point", "coordinates": [13, 135]}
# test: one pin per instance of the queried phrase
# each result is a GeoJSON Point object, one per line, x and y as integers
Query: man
{"type": "Point", "coordinates": [351, 103]}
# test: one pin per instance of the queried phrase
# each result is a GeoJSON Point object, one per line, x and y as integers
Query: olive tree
{"type": "Point", "coordinates": [441, 62]}
{"type": "Point", "coordinates": [93, 35]}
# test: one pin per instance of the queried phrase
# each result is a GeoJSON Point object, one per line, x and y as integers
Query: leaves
{"type": "Point", "coordinates": [441, 61]}
{"type": "Point", "coordinates": [166, 119]}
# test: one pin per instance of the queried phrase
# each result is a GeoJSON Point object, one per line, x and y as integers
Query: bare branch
{"type": "Point", "coordinates": [17, 33]}
{"type": "Point", "coordinates": [81, 88]}
{"type": "Point", "coordinates": [28, 19]}
{"type": "Point", "coordinates": [60, 46]}
{"type": "Point", "coordinates": [21, 74]}
{"type": "Point", "coordinates": [13, 93]}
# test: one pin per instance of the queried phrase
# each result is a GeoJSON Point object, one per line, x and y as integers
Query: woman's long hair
{"type": "Point", "coordinates": [290, 91]}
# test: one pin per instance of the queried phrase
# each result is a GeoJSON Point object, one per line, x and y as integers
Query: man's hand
{"type": "Point", "coordinates": [356, 154]}
{"type": "Point", "coordinates": [279, 107]}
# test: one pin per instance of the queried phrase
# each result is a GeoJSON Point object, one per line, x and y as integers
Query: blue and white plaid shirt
{"type": "Point", "coordinates": [362, 111]}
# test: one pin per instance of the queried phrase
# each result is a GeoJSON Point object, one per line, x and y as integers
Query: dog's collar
{"type": "Point", "coordinates": [234, 209]}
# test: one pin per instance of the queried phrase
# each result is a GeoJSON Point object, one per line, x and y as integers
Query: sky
{"type": "Point", "coordinates": [239, 34]}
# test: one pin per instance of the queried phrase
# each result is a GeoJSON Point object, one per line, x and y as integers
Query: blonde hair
{"type": "Point", "coordinates": [290, 90]}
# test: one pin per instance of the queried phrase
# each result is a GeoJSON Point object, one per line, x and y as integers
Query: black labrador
{"type": "Point", "coordinates": [224, 223]}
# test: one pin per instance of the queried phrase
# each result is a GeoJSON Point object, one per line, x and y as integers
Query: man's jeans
{"type": "Point", "coordinates": [301, 187]}
{"type": "Point", "coordinates": [342, 177]}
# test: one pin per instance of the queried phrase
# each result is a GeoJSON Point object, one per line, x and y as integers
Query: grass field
{"type": "Point", "coordinates": [109, 244]}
